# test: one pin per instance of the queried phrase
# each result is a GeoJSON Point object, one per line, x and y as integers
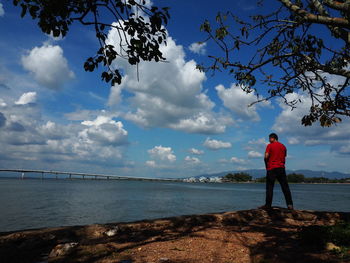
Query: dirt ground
{"type": "Point", "coordinates": [233, 237]}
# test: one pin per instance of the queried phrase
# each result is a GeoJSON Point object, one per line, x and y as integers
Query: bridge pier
{"type": "Point", "coordinates": [70, 176]}
{"type": "Point", "coordinates": [22, 176]}
{"type": "Point", "coordinates": [42, 176]}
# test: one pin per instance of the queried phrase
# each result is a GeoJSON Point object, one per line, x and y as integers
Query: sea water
{"type": "Point", "coordinates": [26, 204]}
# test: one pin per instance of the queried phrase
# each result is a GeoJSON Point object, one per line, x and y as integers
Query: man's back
{"type": "Point", "coordinates": [275, 159]}
{"type": "Point", "coordinates": [277, 155]}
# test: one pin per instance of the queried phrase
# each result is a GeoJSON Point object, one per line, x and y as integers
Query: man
{"type": "Point", "coordinates": [275, 158]}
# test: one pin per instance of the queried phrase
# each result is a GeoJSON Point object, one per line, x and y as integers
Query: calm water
{"type": "Point", "coordinates": [35, 203]}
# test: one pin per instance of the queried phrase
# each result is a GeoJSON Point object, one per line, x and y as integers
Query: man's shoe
{"type": "Point", "coordinates": [290, 207]}
{"type": "Point", "coordinates": [265, 207]}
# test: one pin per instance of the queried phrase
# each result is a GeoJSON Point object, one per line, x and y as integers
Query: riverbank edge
{"type": "Point", "coordinates": [127, 239]}
{"type": "Point", "coordinates": [159, 180]}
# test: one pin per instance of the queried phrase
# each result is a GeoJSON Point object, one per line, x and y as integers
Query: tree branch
{"type": "Point", "coordinates": [338, 32]}
{"type": "Point", "coordinates": [338, 5]}
{"type": "Point", "coordinates": [312, 18]}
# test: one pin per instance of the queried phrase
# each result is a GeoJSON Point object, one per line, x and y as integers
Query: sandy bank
{"type": "Point", "coordinates": [231, 237]}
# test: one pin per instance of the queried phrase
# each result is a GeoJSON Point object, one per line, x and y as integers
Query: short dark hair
{"type": "Point", "coordinates": [273, 135]}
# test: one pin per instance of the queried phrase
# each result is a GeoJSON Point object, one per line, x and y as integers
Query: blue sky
{"type": "Point", "coordinates": [174, 122]}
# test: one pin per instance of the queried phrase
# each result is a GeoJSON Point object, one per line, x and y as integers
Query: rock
{"type": "Point", "coordinates": [291, 221]}
{"type": "Point", "coordinates": [331, 247]}
{"type": "Point", "coordinates": [161, 260]}
{"type": "Point", "coordinates": [96, 231]}
{"type": "Point", "coordinates": [307, 216]}
{"type": "Point", "coordinates": [289, 215]}
{"type": "Point", "coordinates": [49, 237]}
{"type": "Point", "coordinates": [62, 249]}
{"type": "Point", "coordinates": [112, 232]}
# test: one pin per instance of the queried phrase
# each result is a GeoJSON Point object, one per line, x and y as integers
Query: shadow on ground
{"type": "Point", "coordinates": [243, 236]}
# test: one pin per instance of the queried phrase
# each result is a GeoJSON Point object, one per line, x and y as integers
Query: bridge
{"type": "Point", "coordinates": [70, 175]}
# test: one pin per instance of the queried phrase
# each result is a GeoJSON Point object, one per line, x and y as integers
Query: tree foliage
{"type": "Point", "coordinates": [140, 28]}
{"type": "Point", "coordinates": [300, 178]}
{"type": "Point", "coordinates": [237, 177]}
{"type": "Point", "coordinates": [291, 39]}
{"type": "Point", "coordinates": [295, 178]}
{"type": "Point", "coordinates": [261, 179]}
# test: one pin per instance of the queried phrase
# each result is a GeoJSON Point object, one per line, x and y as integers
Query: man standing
{"type": "Point", "coordinates": [275, 158]}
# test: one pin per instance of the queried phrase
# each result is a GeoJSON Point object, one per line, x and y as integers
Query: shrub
{"type": "Point", "coordinates": [338, 234]}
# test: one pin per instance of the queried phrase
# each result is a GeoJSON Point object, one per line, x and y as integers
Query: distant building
{"type": "Point", "coordinates": [190, 180]}
{"type": "Point", "coordinates": [203, 179]}
{"type": "Point", "coordinates": [215, 179]}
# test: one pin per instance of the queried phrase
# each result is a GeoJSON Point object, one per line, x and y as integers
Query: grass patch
{"type": "Point", "coordinates": [319, 236]}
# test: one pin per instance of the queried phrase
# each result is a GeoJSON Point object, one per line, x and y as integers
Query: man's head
{"type": "Point", "coordinates": [273, 137]}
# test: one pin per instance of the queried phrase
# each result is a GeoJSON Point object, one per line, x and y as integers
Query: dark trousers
{"type": "Point", "coordinates": [280, 175]}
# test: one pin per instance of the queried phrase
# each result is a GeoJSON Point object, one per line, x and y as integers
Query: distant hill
{"type": "Point", "coordinates": [256, 173]}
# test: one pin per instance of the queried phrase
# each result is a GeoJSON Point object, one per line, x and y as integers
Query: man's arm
{"type": "Point", "coordinates": [266, 158]}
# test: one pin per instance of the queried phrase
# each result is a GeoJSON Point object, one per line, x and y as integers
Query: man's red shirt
{"type": "Point", "coordinates": [277, 155]}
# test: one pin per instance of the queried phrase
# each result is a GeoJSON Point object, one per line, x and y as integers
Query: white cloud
{"type": "Point", "coordinates": [97, 140]}
{"type": "Point", "coordinates": [2, 11]}
{"type": "Point", "coordinates": [288, 124]}
{"type": "Point", "coordinates": [151, 163]}
{"type": "Point", "coordinates": [238, 102]}
{"type": "Point", "coordinates": [26, 98]}
{"type": "Point", "coordinates": [241, 168]}
{"type": "Point", "coordinates": [160, 165]}
{"type": "Point", "coordinates": [237, 160]}
{"type": "Point", "coordinates": [256, 144]}
{"type": "Point", "coordinates": [81, 115]}
{"type": "Point", "coordinates": [52, 131]}
{"type": "Point", "coordinates": [344, 149]}
{"type": "Point", "coordinates": [26, 137]}
{"type": "Point", "coordinates": [255, 154]}
{"type": "Point", "coordinates": [105, 131]}
{"type": "Point", "coordinates": [195, 151]}
{"type": "Point", "coordinates": [198, 48]}
{"type": "Point", "coordinates": [168, 94]}
{"type": "Point", "coordinates": [203, 123]}
{"type": "Point", "coordinates": [48, 65]}
{"type": "Point", "coordinates": [115, 96]}
{"type": "Point", "coordinates": [293, 140]}
{"type": "Point", "coordinates": [261, 143]}
{"type": "Point", "coordinates": [321, 164]}
{"type": "Point", "coordinates": [216, 144]}
{"type": "Point", "coordinates": [2, 103]}
{"type": "Point", "coordinates": [192, 160]}
{"type": "Point", "coordinates": [223, 161]}
{"type": "Point", "coordinates": [162, 153]}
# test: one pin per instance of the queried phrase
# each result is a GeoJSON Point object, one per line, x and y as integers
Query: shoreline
{"type": "Point", "coordinates": [239, 236]}
{"type": "Point", "coordinates": [153, 180]}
